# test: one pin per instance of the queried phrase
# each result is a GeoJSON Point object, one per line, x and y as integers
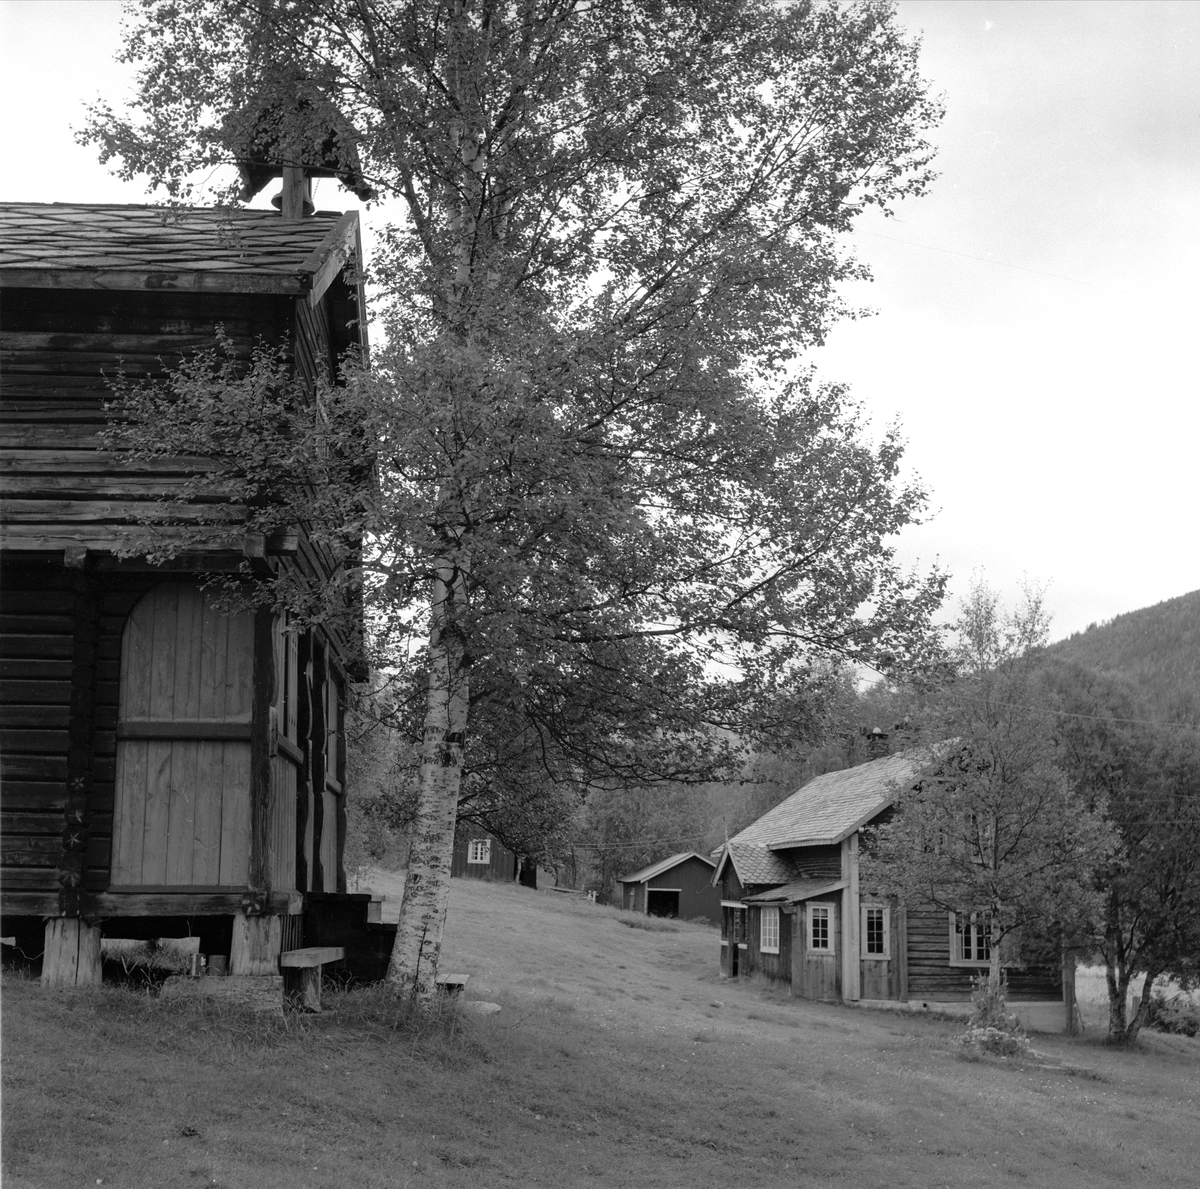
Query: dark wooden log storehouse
{"type": "Point", "coordinates": [167, 770]}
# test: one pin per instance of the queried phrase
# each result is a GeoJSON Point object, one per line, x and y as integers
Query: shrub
{"type": "Point", "coordinates": [1179, 1014]}
{"type": "Point", "coordinates": [996, 1041]}
{"type": "Point", "coordinates": [992, 1028]}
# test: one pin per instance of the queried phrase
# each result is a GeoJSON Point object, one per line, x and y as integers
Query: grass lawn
{"type": "Point", "coordinates": [619, 1059]}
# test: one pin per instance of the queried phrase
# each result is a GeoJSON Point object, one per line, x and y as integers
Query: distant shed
{"type": "Point", "coordinates": [679, 886]}
{"type": "Point", "coordinates": [480, 855]}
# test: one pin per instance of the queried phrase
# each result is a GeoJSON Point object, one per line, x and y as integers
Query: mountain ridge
{"type": "Point", "coordinates": [1157, 648]}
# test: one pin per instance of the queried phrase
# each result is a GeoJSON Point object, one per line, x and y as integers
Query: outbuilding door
{"type": "Point", "coordinates": [662, 902]}
{"type": "Point", "coordinates": [182, 811]}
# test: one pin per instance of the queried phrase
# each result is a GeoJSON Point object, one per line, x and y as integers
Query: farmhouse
{"type": "Point", "coordinates": [167, 769]}
{"type": "Point", "coordinates": [481, 855]}
{"type": "Point", "coordinates": [795, 914]}
{"type": "Point", "coordinates": [678, 886]}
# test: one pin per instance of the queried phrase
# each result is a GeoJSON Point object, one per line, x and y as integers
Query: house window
{"type": "Point", "coordinates": [970, 942]}
{"type": "Point", "coordinates": [480, 850]}
{"type": "Point", "coordinates": [768, 933]}
{"type": "Point", "coordinates": [820, 928]}
{"type": "Point", "coordinates": [876, 931]}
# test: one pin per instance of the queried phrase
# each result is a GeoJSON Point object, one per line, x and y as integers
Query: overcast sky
{"type": "Point", "coordinates": [1036, 316]}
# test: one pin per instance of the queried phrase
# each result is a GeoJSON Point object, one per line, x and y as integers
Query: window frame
{"type": "Point", "coordinates": [886, 954]}
{"type": "Point", "coordinates": [765, 914]}
{"type": "Point", "coordinates": [974, 929]}
{"type": "Point", "coordinates": [479, 851]}
{"type": "Point", "coordinates": [810, 916]}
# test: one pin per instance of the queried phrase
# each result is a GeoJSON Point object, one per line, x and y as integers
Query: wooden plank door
{"type": "Point", "coordinates": [182, 811]}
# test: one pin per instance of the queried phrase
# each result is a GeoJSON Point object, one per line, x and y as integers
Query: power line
{"type": "Point", "coordinates": [1037, 272]}
{"type": "Point", "coordinates": [1144, 722]}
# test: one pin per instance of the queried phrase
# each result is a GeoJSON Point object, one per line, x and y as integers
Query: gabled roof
{"type": "Point", "coordinates": [753, 863]}
{"type": "Point", "coordinates": [663, 865]}
{"type": "Point", "coordinates": [823, 812]}
{"type": "Point", "coordinates": [84, 246]}
{"type": "Point", "coordinates": [831, 807]}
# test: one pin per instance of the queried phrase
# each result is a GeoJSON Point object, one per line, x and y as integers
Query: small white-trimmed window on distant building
{"type": "Point", "coordinates": [876, 931]}
{"type": "Point", "coordinates": [768, 933]}
{"type": "Point", "coordinates": [820, 928]}
{"type": "Point", "coordinates": [479, 850]}
{"type": "Point", "coordinates": [970, 940]}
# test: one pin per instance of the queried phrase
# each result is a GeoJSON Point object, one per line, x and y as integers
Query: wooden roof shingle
{"type": "Point", "coordinates": [84, 246]}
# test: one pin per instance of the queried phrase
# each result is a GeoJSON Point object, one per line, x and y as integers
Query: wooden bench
{"type": "Point", "coordinates": [452, 985]}
{"type": "Point", "coordinates": [308, 963]}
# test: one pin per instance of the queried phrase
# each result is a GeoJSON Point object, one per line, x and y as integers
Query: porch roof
{"type": "Point", "coordinates": [802, 889]}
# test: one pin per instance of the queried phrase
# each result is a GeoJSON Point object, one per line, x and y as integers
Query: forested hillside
{"type": "Point", "coordinates": [1157, 648]}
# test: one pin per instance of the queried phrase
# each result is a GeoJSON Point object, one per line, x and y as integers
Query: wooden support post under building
{"type": "Point", "coordinates": [257, 944]}
{"type": "Point", "coordinates": [72, 953]}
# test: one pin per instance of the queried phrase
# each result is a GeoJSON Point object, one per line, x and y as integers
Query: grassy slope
{"type": "Point", "coordinates": [619, 1060]}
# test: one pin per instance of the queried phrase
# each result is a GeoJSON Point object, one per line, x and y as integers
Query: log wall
{"type": "Point", "coordinates": [58, 351]}
{"type": "Point", "coordinates": [930, 974]}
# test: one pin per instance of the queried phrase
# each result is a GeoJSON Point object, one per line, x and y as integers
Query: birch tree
{"type": "Point", "coordinates": [998, 833]}
{"type": "Point", "coordinates": [605, 495]}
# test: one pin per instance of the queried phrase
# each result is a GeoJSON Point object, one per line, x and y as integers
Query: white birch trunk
{"type": "Point", "coordinates": [413, 966]}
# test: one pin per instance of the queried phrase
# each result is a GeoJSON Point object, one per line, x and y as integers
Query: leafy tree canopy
{"type": "Point", "coordinates": [998, 830]}
{"type": "Point", "coordinates": [604, 495]}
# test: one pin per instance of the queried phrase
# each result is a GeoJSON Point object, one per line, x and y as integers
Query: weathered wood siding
{"type": "Point", "coordinates": [697, 896]}
{"type": "Point", "coordinates": [930, 974]}
{"type": "Point", "coordinates": [817, 975]}
{"type": "Point", "coordinates": [731, 886]}
{"type": "Point", "coordinates": [37, 629]}
{"type": "Point", "coordinates": [733, 938]}
{"type": "Point", "coordinates": [879, 978]}
{"type": "Point", "coordinates": [182, 809]}
{"type": "Point", "coordinates": [58, 350]}
{"type": "Point", "coordinates": [502, 865]}
{"type": "Point", "coordinates": [774, 968]}
{"type": "Point", "coordinates": [288, 754]}
{"type": "Point", "coordinates": [815, 862]}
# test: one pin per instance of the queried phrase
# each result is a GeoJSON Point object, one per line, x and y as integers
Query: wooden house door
{"type": "Point", "coordinates": [182, 811]}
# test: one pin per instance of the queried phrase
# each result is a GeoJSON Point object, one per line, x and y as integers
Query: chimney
{"type": "Point", "coordinates": [877, 743]}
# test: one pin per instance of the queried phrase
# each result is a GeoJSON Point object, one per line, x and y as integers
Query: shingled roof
{"type": "Point", "coordinates": [826, 810]}
{"type": "Point", "coordinates": [69, 245]}
{"type": "Point", "coordinates": [664, 865]}
{"type": "Point", "coordinates": [755, 864]}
